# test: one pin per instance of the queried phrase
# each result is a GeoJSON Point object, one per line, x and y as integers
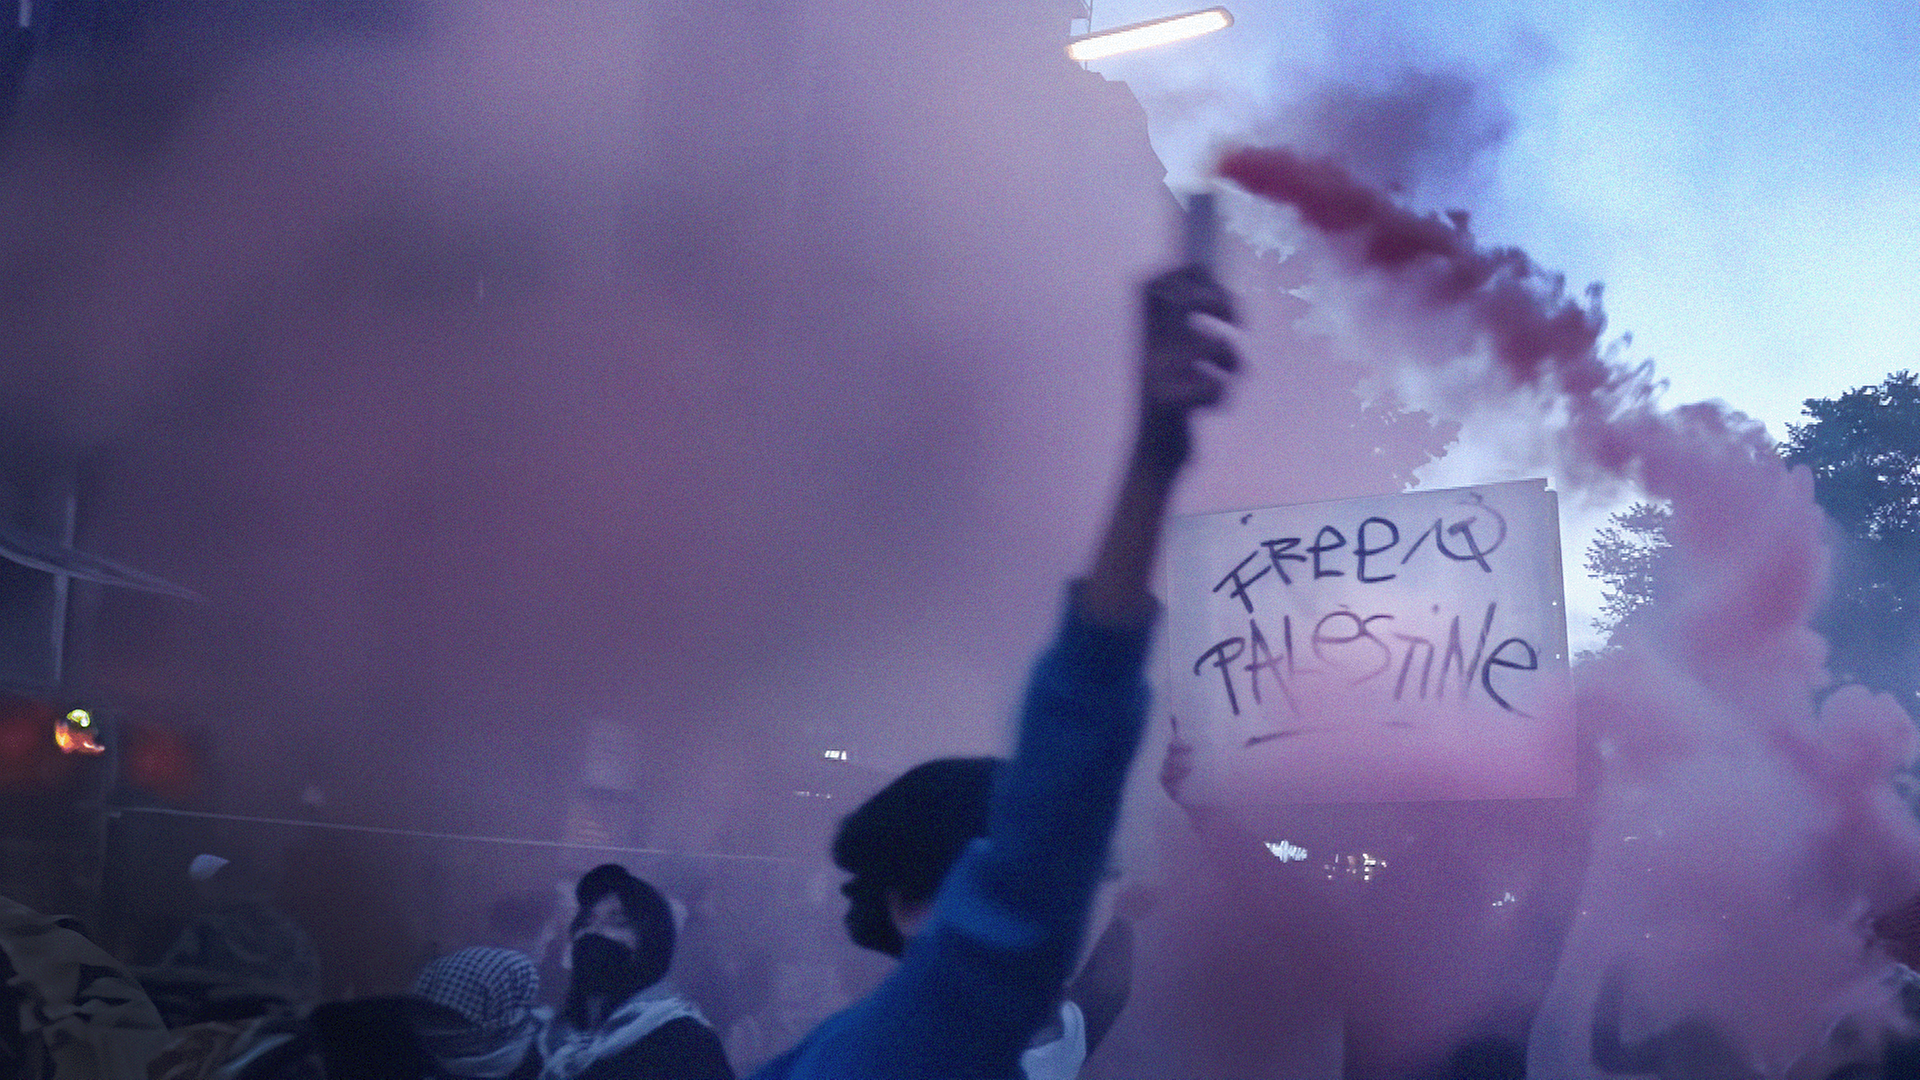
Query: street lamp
{"type": "Point", "coordinates": [1145, 35]}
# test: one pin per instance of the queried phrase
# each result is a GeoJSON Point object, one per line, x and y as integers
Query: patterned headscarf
{"type": "Point", "coordinates": [494, 990]}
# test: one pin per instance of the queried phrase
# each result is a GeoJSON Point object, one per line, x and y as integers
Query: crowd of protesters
{"type": "Point", "coordinates": [976, 876]}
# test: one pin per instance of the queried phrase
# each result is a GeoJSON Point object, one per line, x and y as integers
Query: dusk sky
{"type": "Point", "coordinates": [1742, 177]}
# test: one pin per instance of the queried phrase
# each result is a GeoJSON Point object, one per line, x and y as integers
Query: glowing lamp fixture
{"type": "Point", "coordinates": [1145, 35]}
{"type": "Point", "coordinates": [73, 733]}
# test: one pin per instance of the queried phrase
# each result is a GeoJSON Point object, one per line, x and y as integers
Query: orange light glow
{"type": "Point", "coordinates": [73, 734]}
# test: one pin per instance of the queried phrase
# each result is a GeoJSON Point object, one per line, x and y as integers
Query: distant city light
{"type": "Point", "coordinates": [1145, 35]}
{"type": "Point", "coordinates": [1362, 866]}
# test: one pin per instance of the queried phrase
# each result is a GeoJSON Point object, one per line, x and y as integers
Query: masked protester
{"type": "Point", "coordinates": [619, 1022]}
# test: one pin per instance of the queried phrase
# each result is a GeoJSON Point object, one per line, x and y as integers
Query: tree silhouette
{"type": "Point", "coordinates": [1864, 449]}
{"type": "Point", "coordinates": [1625, 556]}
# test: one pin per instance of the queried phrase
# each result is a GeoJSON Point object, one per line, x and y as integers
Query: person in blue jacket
{"type": "Point", "coordinates": [984, 963]}
{"type": "Point", "coordinates": [899, 846]}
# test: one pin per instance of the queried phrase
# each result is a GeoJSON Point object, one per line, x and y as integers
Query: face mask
{"type": "Point", "coordinates": [602, 966]}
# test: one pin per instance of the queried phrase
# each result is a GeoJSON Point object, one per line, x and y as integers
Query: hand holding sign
{"type": "Point", "coordinates": [1176, 766]}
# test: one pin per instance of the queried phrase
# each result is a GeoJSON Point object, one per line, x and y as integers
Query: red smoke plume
{"type": "Point", "coordinates": [1745, 823]}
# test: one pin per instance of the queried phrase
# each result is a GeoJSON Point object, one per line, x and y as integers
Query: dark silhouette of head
{"type": "Point", "coordinates": [901, 842]}
{"type": "Point", "coordinates": [370, 1038]}
{"type": "Point", "coordinates": [622, 941]}
{"type": "Point", "coordinates": [1488, 1057]}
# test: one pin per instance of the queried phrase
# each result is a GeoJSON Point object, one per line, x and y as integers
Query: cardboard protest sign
{"type": "Point", "coordinates": [1407, 647]}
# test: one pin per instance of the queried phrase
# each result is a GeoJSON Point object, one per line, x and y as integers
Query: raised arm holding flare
{"type": "Point", "coordinates": [984, 965]}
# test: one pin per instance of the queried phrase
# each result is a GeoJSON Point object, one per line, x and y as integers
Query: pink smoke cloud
{"type": "Point", "coordinates": [1743, 827]}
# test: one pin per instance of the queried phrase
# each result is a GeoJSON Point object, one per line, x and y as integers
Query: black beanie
{"type": "Point", "coordinates": [906, 837]}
